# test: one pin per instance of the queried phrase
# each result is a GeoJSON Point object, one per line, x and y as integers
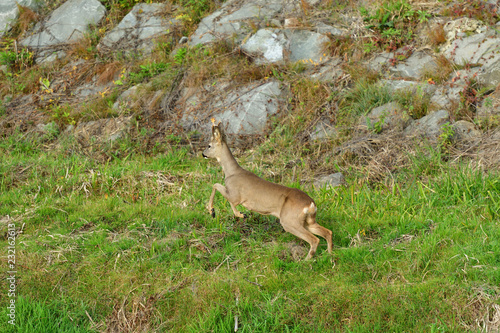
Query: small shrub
{"type": "Point", "coordinates": [361, 98]}
{"type": "Point", "coordinates": [488, 121]}
{"type": "Point", "coordinates": [7, 57]}
{"type": "Point", "coordinates": [394, 22]}
{"type": "Point", "coordinates": [147, 71]}
{"type": "Point", "coordinates": [51, 131]}
{"type": "Point", "coordinates": [477, 9]}
{"type": "Point", "coordinates": [439, 73]}
{"type": "Point", "coordinates": [61, 114]}
{"type": "Point", "coordinates": [416, 102]}
{"type": "Point", "coordinates": [24, 20]}
{"type": "Point", "coordinates": [469, 100]}
{"type": "Point", "coordinates": [14, 58]}
{"type": "Point", "coordinates": [377, 126]}
{"type": "Point", "coordinates": [446, 136]}
{"type": "Point", "coordinates": [193, 11]}
{"type": "Point", "coordinates": [436, 35]}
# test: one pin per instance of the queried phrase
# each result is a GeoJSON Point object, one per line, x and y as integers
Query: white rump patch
{"type": "Point", "coordinates": [311, 209]}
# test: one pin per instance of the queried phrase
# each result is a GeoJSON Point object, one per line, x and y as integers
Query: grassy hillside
{"type": "Point", "coordinates": [127, 245]}
{"type": "Point", "coordinates": [115, 236]}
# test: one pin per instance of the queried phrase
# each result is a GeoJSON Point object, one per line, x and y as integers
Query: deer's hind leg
{"type": "Point", "coordinates": [232, 200]}
{"type": "Point", "coordinates": [319, 230]}
{"type": "Point", "coordinates": [296, 227]}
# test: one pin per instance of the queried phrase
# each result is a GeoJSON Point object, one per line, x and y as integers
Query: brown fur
{"type": "Point", "coordinates": [295, 209]}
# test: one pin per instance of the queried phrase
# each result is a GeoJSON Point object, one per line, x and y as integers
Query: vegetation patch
{"type": "Point", "coordinates": [395, 22]}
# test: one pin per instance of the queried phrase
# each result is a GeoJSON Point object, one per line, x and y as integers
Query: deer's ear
{"type": "Point", "coordinates": [217, 133]}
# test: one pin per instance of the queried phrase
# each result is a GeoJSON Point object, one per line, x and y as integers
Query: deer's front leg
{"type": "Point", "coordinates": [225, 194]}
{"type": "Point", "coordinates": [210, 205]}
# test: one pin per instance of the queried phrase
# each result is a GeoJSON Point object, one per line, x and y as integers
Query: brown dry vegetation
{"type": "Point", "coordinates": [25, 19]}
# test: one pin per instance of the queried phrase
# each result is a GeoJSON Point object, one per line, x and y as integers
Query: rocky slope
{"type": "Point", "coordinates": [99, 70]}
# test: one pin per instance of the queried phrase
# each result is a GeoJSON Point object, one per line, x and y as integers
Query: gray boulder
{"type": "Point", "coordinates": [385, 117]}
{"type": "Point", "coordinates": [329, 71]}
{"type": "Point", "coordinates": [324, 130]}
{"type": "Point", "coordinates": [250, 112]}
{"type": "Point", "coordinates": [413, 87]}
{"type": "Point", "coordinates": [460, 28]}
{"type": "Point", "coordinates": [380, 62]}
{"type": "Point", "coordinates": [127, 98]}
{"type": "Point", "coordinates": [65, 25]}
{"type": "Point", "coordinates": [449, 95]}
{"type": "Point", "coordinates": [245, 110]}
{"type": "Point", "coordinates": [306, 46]}
{"type": "Point", "coordinates": [465, 130]}
{"type": "Point", "coordinates": [274, 45]}
{"type": "Point", "coordinates": [396, 85]}
{"type": "Point", "coordinates": [429, 126]}
{"type": "Point", "coordinates": [414, 66]}
{"type": "Point", "coordinates": [445, 96]}
{"type": "Point", "coordinates": [330, 181]}
{"type": "Point", "coordinates": [137, 30]}
{"type": "Point", "coordinates": [480, 49]}
{"type": "Point", "coordinates": [323, 28]}
{"type": "Point", "coordinates": [267, 45]}
{"type": "Point", "coordinates": [231, 20]}
{"type": "Point", "coordinates": [411, 68]}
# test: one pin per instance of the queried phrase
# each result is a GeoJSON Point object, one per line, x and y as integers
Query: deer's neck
{"type": "Point", "coordinates": [228, 162]}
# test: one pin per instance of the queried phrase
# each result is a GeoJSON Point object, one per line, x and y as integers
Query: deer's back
{"type": "Point", "coordinates": [265, 197]}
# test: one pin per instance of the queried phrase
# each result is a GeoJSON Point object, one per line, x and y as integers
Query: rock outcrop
{"type": "Point", "coordinates": [65, 25]}
{"type": "Point", "coordinates": [233, 20]}
{"type": "Point", "coordinates": [138, 29]}
{"type": "Point", "coordinates": [280, 33]}
{"type": "Point", "coordinates": [245, 110]}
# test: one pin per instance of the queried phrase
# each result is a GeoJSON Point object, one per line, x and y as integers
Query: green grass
{"type": "Point", "coordinates": [133, 237]}
{"type": "Point", "coordinates": [48, 316]}
{"type": "Point", "coordinates": [364, 96]}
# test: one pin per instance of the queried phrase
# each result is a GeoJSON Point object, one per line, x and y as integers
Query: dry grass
{"type": "Point", "coordinates": [310, 99]}
{"type": "Point", "coordinates": [483, 311]}
{"type": "Point", "coordinates": [440, 73]}
{"type": "Point", "coordinates": [221, 61]}
{"type": "Point", "coordinates": [348, 48]}
{"type": "Point", "coordinates": [83, 48]}
{"type": "Point", "coordinates": [24, 21]}
{"type": "Point", "coordinates": [132, 316]}
{"type": "Point", "coordinates": [359, 72]}
{"type": "Point", "coordinates": [483, 153]}
{"type": "Point", "coordinates": [377, 158]}
{"type": "Point", "coordinates": [436, 34]}
{"type": "Point", "coordinates": [107, 72]}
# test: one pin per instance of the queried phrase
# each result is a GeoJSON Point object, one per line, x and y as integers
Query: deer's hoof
{"type": "Point", "coordinates": [212, 213]}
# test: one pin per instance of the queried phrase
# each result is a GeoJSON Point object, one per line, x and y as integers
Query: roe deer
{"type": "Point", "coordinates": [294, 208]}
